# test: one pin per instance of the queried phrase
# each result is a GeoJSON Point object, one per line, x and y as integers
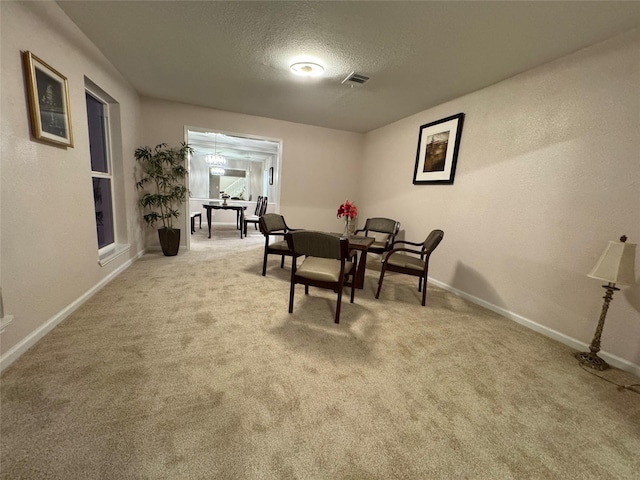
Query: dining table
{"type": "Point", "coordinates": [214, 205]}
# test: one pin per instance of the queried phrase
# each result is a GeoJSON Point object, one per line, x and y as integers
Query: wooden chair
{"type": "Point", "coordinates": [325, 264]}
{"type": "Point", "coordinates": [383, 229]}
{"type": "Point", "coordinates": [411, 261]}
{"type": "Point", "coordinates": [272, 224]}
{"type": "Point", "coordinates": [261, 209]}
{"type": "Point", "coordinates": [193, 216]}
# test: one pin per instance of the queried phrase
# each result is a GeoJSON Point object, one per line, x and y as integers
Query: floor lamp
{"type": "Point", "coordinates": [616, 265]}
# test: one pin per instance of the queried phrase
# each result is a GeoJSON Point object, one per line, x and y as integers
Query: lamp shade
{"type": "Point", "coordinates": [617, 264]}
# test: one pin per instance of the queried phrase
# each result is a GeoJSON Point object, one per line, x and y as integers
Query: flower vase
{"type": "Point", "coordinates": [347, 230]}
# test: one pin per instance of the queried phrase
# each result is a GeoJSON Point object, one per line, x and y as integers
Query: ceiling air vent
{"type": "Point", "coordinates": [355, 79]}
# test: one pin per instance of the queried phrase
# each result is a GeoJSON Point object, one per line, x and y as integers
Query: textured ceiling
{"type": "Point", "coordinates": [235, 56]}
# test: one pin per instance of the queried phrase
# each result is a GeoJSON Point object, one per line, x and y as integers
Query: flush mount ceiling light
{"type": "Point", "coordinates": [307, 69]}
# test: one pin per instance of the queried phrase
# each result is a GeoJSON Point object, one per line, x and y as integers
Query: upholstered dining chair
{"type": "Point", "coordinates": [383, 229]}
{"type": "Point", "coordinates": [411, 261]}
{"type": "Point", "coordinates": [273, 224]}
{"type": "Point", "coordinates": [261, 209]}
{"type": "Point", "coordinates": [326, 264]}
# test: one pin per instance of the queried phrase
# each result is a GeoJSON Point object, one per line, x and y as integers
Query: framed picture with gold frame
{"type": "Point", "coordinates": [48, 94]}
{"type": "Point", "coordinates": [438, 144]}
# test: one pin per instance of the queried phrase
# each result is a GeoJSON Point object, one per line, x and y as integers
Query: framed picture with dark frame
{"type": "Point", "coordinates": [438, 144]}
{"type": "Point", "coordinates": [270, 175]}
{"type": "Point", "coordinates": [48, 95]}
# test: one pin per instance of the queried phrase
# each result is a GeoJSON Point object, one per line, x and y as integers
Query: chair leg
{"type": "Point", "coordinates": [291, 292]}
{"type": "Point", "coordinates": [424, 290]}
{"type": "Point", "coordinates": [264, 264]}
{"type": "Point", "coordinates": [282, 262]}
{"type": "Point", "coordinates": [306, 289]}
{"type": "Point", "coordinates": [384, 268]}
{"type": "Point", "coordinates": [353, 286]}
{"type": "Point", "coordinates": [337, 320]}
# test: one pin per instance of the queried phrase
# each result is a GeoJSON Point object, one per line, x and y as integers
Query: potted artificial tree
{"type": "Point", "coordinates": [163, 169]}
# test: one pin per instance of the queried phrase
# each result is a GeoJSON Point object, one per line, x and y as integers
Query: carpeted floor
{"type": "Point", "coordinates": [190, 367]}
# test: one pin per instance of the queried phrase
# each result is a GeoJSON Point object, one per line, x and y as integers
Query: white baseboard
{"type": "Point", "coordinates": [613, 360]}
{"type": "Point", "coordinates": [14, 353]}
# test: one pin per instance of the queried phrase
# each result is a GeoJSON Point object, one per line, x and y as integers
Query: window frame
{"type": "Point", "coordinates": [106, 129]}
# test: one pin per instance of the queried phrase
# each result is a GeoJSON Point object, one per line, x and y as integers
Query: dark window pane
{"type": "Point", "coordinates": [97, 140]}
{"type": "Point", "coordinates": [104, 211]}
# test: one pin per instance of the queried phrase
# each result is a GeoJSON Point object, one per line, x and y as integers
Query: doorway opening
{"type": "Point", "coordinates": [233, 168]}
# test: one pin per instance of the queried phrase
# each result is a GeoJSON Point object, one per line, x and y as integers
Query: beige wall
{"type": "Point", "coordinates": [49, 249]}
{"type": "Point", "coordinates": [548, 173]}
{"type": "Point", "coordinates": [319, 165]}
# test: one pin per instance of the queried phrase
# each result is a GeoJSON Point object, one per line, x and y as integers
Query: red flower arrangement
{"type": "Point", "coordinates": [348, 210]}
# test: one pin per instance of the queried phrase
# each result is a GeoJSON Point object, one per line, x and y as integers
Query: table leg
{"type": "Point", "coordinates": [241, 221]}
{"type": "Point", "coordinates": [209, 221]}
{"type": "Point", "coordinates": [362, 265]}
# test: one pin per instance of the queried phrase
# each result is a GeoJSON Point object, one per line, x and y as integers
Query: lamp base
{"type": "Point", "coordinates": [592, 360]}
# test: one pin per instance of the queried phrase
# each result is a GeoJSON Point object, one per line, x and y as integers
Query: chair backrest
{"type": "Point", "coordinates": [384, 229]}
{"type": "Point", "coordinates": [258, 206]}
{"type": "Point", "coordinates": [318, 244]}
{"type": "Point", "coordinates": [263, 207]}
{"type": "Point", "coordinates": [432, 241]}
{"type": "Point", "coordinates": [382, 225]}
{"type": "Point", "coordinates": [272, 222]}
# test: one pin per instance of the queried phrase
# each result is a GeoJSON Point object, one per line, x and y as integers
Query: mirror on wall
{"type": "Point", "coordinates": [233, 182]}
{"type": "Point", "coordinates": [232, 165]}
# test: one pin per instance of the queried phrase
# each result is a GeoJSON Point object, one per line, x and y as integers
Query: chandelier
{"type": "Point", "coordinates": [215, 161]}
